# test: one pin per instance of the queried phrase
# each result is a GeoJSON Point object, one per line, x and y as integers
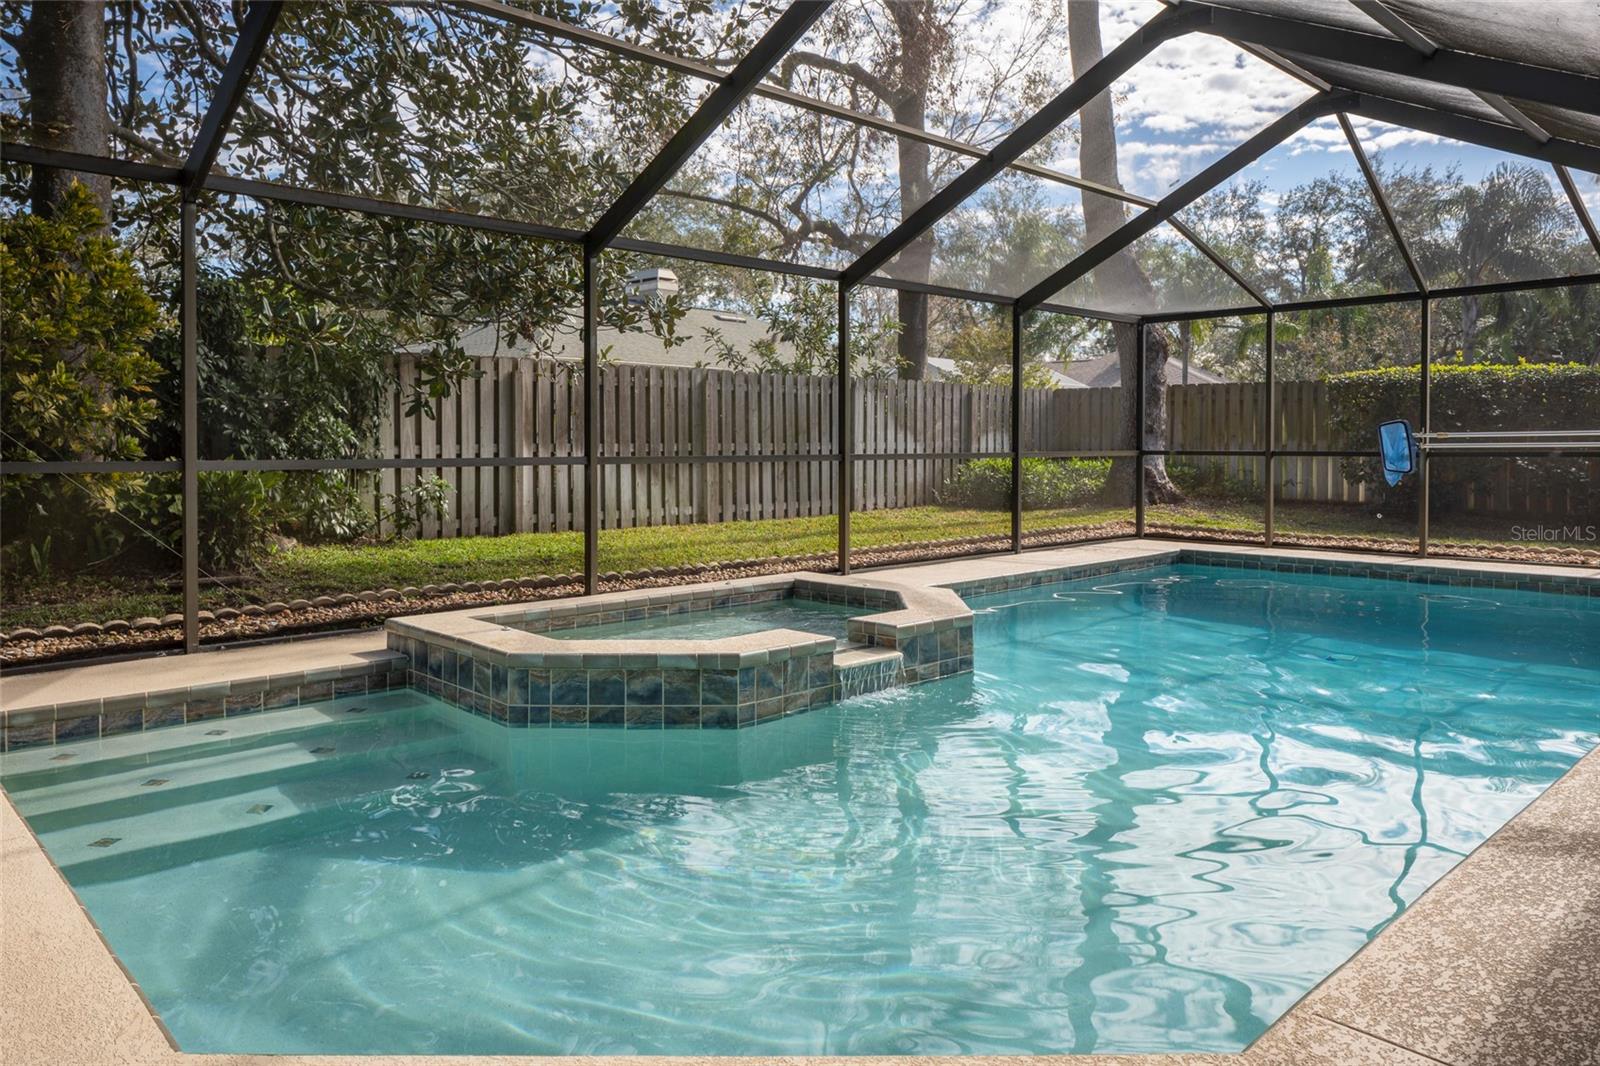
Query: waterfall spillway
{"type": "Point", "coordinates": [859, 671]}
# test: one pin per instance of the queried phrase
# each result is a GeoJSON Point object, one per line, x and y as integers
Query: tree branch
{"type": "Point", "coordinates": [853, 71]}
{"type": "Point", "coordinates": [282, 263]}
{"type": "Point", "coordinates": [137, 140]}
{"type": "Point", "coordinates": [716, 201]}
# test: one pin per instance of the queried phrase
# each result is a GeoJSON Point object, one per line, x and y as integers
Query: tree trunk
{"type": "Point", "coordinates": [1120, 274]}
{"type": "Point", "coordinates": [915, 262]}
{"type": "Point", "coordinates": [63, 53]}
{"type": "Point", "coordinates": [1471, 314]}
{"type": "Point", "coordinates": [919, 42]}
{"type": "Point", "coordinates": [913, 340]}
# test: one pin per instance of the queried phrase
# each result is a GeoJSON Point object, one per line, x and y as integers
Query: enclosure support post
{"type": "Point", "coordinates": [1425, 414]}
{"type": "Point", "coordinates": [1138, 429]}
{"type": "Point", "coordinates": [1016, 428]}
{"type": "Point", "coordinates": [189, 322]}
{"type": "Point", "coordinates": [847, 488]}
{"type": "Point", "coordinates": [1270, 430]}
{"type": "Point", "coordinates": [591, 421]}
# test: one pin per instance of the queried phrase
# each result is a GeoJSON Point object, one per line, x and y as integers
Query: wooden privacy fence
{"type": "Point", "coordinates": [1224, 418]}
{"type": "Point", "coordinates": [659, 425]}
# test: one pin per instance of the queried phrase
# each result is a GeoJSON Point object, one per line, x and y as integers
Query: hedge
{"type": "Point", "coordinates": [985, 484]}
{"type": "Point", "coordinates": [1470, 397]}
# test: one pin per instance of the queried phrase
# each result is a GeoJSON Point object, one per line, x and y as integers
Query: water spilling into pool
{"type": "Point", "coordinates": [872, 673]}
{"type": "Point", "coordinates": [1163, 808]}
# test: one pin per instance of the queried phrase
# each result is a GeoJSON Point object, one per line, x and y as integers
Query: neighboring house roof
{"type": "Point", "coordinates": [942, 369]}
{"type": "Point", "coordinates": [642, 346]}
{"type": "Point", "coordinates": [1105, 372]}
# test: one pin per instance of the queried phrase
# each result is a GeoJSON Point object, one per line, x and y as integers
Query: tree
{"type": "Point", "coordinates": [809, 186]}
{"type": "Point", "coordinates": [1505, 228]}
{"type": "Point", "coordinates": [1121, 274]}
{"type": "Point", "coordinates": [417, 105]}
{"type": "Point", "coordinates": [62, 49]}
{"type": "Point", "coordinates": [76, 379]}
{"type": "Point", "coordinates": [303, 307]}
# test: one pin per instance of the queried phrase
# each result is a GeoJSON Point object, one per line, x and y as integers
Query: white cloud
{"type": "Point", "coordinates": [1201, 85]}
{"type": "Point", "coordinates": [1380, 136]}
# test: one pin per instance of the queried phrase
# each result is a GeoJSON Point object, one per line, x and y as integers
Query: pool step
{"type": "Point", "coordinates": [861, 668]}
{"type": "Point", "coordinates": [81, 759]}
{"type": "Point", "coordinates": [221, 773]}
{"type": "Point", "coordinates": [111, 849]}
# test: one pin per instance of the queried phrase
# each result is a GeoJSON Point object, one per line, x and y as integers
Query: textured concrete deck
{"type": "Point", "coordinates": [1497, 964]}
{"type": "Point", "coordinates": [99, 681]}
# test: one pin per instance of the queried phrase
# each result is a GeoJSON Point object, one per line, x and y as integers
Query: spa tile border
{"type": "Point", "coordinates": [142, 711]}
{"type": "Point", "coordinates": [1052, 575]}
{"type": "Point", "coordinates": [631, 698]}
{"type": "Point", "coordinates": [608, 609]}
{"type": "Point", "coordinates": [501, 665]}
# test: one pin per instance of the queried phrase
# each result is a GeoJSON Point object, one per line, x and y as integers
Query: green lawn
{"type": "Point", "coordinates": [309, 571]}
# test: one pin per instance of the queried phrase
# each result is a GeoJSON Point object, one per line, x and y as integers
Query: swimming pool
{"type": "Point", "coordinates": [1163, 806]}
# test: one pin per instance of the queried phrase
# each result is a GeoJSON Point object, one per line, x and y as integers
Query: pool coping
{"type": "Point", "coordinates": [1498, 961]}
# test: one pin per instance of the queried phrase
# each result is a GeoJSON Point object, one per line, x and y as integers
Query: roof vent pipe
{"type": "Point", "coordinates": [651, 282]}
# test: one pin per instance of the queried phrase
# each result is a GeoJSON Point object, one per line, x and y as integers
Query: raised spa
{"type": "Point", "coordinates": [722, 655]}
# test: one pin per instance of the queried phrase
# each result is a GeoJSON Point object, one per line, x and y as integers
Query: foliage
{"type": "Point", "coordinates": [76, 379]}
{"type": "Point", "coordinates": [977, 338]}
{"type": "Point", "coordinates": [1326, 238]}
{"type": "Point", "coordinates": [1212, 482]}
{"type": "Point", "coordinates": [405, 510]}
{"type": "Point", "coordinates": [238, 512]}
{"type": "Point", "coordinates": [985, 484]}
{"type": "Point", "coordinates": [1475, 397]}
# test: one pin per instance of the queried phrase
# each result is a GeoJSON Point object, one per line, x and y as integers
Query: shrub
{"type": "Point", "coordinates": [985, 484]}
{"type": "Point", "coordinates": [238, 512]}
{"type": "Point", "coordinates": [1512, 396]}
{"type": "Point", "coordinates": [75, 382]}
{"type": "Point", "coordinates": [1211, 482]}
{"type": "Point", "coordinates": [76, 377]}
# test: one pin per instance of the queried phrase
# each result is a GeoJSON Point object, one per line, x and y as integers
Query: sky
{"type": "Point", "coordinates": [1193, 99]}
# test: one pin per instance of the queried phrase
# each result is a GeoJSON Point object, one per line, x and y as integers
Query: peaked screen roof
{"type": "Point", "coordinates": [699, 113]}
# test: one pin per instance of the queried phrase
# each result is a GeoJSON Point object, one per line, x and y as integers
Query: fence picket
{"type": "Point", "coordinates": [533, 408]}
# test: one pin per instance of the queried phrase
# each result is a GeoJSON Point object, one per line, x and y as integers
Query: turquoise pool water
{"type": "Point", "coordinates": [1163, 808]}
{"type": "Point", "coordinates": [808, 616]}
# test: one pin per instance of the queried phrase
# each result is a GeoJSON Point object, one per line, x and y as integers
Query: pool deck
{"type": "Point", "coordinates": [1497, 964]}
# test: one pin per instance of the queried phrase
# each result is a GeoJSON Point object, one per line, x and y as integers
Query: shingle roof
{"type": "Point", "coordinates": [693, 347]}
{"type": "Point", "coordinates": [1105, 372]}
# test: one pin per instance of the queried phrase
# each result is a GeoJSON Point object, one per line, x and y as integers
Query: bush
{"type": "Point", "coordinates": [238, 512]}
{"type": "Point", "coordinates": [985, 484]}
{"type": "Point", "coordinates": [75, 380]}
{"type": "Point", "coordinates": [1511, 396]}
{"type": "Point", "coordinates": [1212, 482]}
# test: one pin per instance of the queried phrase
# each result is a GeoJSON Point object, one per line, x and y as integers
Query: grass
{"type": "Point", "coordinates": [324, 570]}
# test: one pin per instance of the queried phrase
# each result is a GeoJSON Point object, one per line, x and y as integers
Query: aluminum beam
{"type": "Point", "coordinates": [1185, 194]}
